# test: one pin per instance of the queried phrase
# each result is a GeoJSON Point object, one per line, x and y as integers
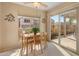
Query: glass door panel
{"type": "Point", "coordinates": [54, 28]}
{"type": "Point", "coordinates": [68, 29]}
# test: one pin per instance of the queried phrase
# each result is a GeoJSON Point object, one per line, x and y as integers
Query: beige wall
{"type": "Point", "coordinates": [0, 26]}
{"type": "Point", "coordinates": [9, 30]}
{"type": "Point", "coordinates": [42, 26]}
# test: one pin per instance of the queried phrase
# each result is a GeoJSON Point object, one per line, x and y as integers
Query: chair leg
{"type": "Point", "coordinates": [26, 50]}
{"type": "Point", "coordinates": [34, 49]}
{"type": "Point", "coordinates": [21, 51]}
{"type": "Point", "coordinates": [31, 48]}
{"type": "Point", "coordinates": [44, 45]}
{"type": "Point", "coordinates": [41, 48]}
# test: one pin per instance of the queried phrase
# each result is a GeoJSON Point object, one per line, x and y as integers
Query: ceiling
{"type": "Point", "coordinates": [49, 5]}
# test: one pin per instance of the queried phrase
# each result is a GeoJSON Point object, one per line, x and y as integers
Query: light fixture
{"type": "Point", "coordinates": [36, 4]}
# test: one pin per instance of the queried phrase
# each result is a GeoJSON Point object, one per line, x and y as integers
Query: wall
{"type": "Point", "coordinates": [0, 26]}
{"type": "Point", "coordinates": [42, 26]}
{"type": "Point", "coordinates": [77, 31]}
{"type": "Point", "coordinates": [9, 30]}
{"type": "Point", "coordinates": [49, 27]}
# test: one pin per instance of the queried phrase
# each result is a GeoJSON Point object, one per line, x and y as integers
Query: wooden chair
{"type": "Point", "coordinates": [23, 42]}
{"type": "Point", "coordinates": [37, 42]}
{"type": "Point", "coordinates": [29, 44]}
{"type": "Point", "coordinates": [43, 40]}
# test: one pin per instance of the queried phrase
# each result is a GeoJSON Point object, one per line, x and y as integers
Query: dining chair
{"type": "Point", "coordinates": [43, 40]}
{"type": "Point", "coordinates": [29, 43]}
{"type": "Point", "coordinates": [37, 42]}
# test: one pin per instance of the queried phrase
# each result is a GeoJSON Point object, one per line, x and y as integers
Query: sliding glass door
{"type": "Point", "coordinates": [68, 29]}
{"type": "Point", "coordinates": [54, 28]}
{"type": "Point", "coordinates": [63, 29]}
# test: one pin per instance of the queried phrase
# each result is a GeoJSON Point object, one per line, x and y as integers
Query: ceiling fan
{"type": "Point", "coordinates": [37, 4]}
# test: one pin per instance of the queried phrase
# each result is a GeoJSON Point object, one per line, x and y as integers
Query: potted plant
{"type": "Point", "coordinates": [35, 30]}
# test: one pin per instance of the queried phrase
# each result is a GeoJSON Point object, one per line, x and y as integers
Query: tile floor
{"type": "Point", "coordinates": [51, 50]}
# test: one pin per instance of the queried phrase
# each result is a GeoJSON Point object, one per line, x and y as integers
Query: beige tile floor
{"type": "Point", "coordinates": [51, 50]}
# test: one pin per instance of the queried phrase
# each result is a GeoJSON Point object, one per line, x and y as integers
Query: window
{"type": "Point", "coordinates": [26, 20]}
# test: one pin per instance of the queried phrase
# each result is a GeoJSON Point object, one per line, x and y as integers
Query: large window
{"type": "Point", "coordinates": [27, 23]}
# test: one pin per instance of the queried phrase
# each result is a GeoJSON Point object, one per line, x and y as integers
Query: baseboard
{"type": "Point", "coordinates": [8, 49]}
